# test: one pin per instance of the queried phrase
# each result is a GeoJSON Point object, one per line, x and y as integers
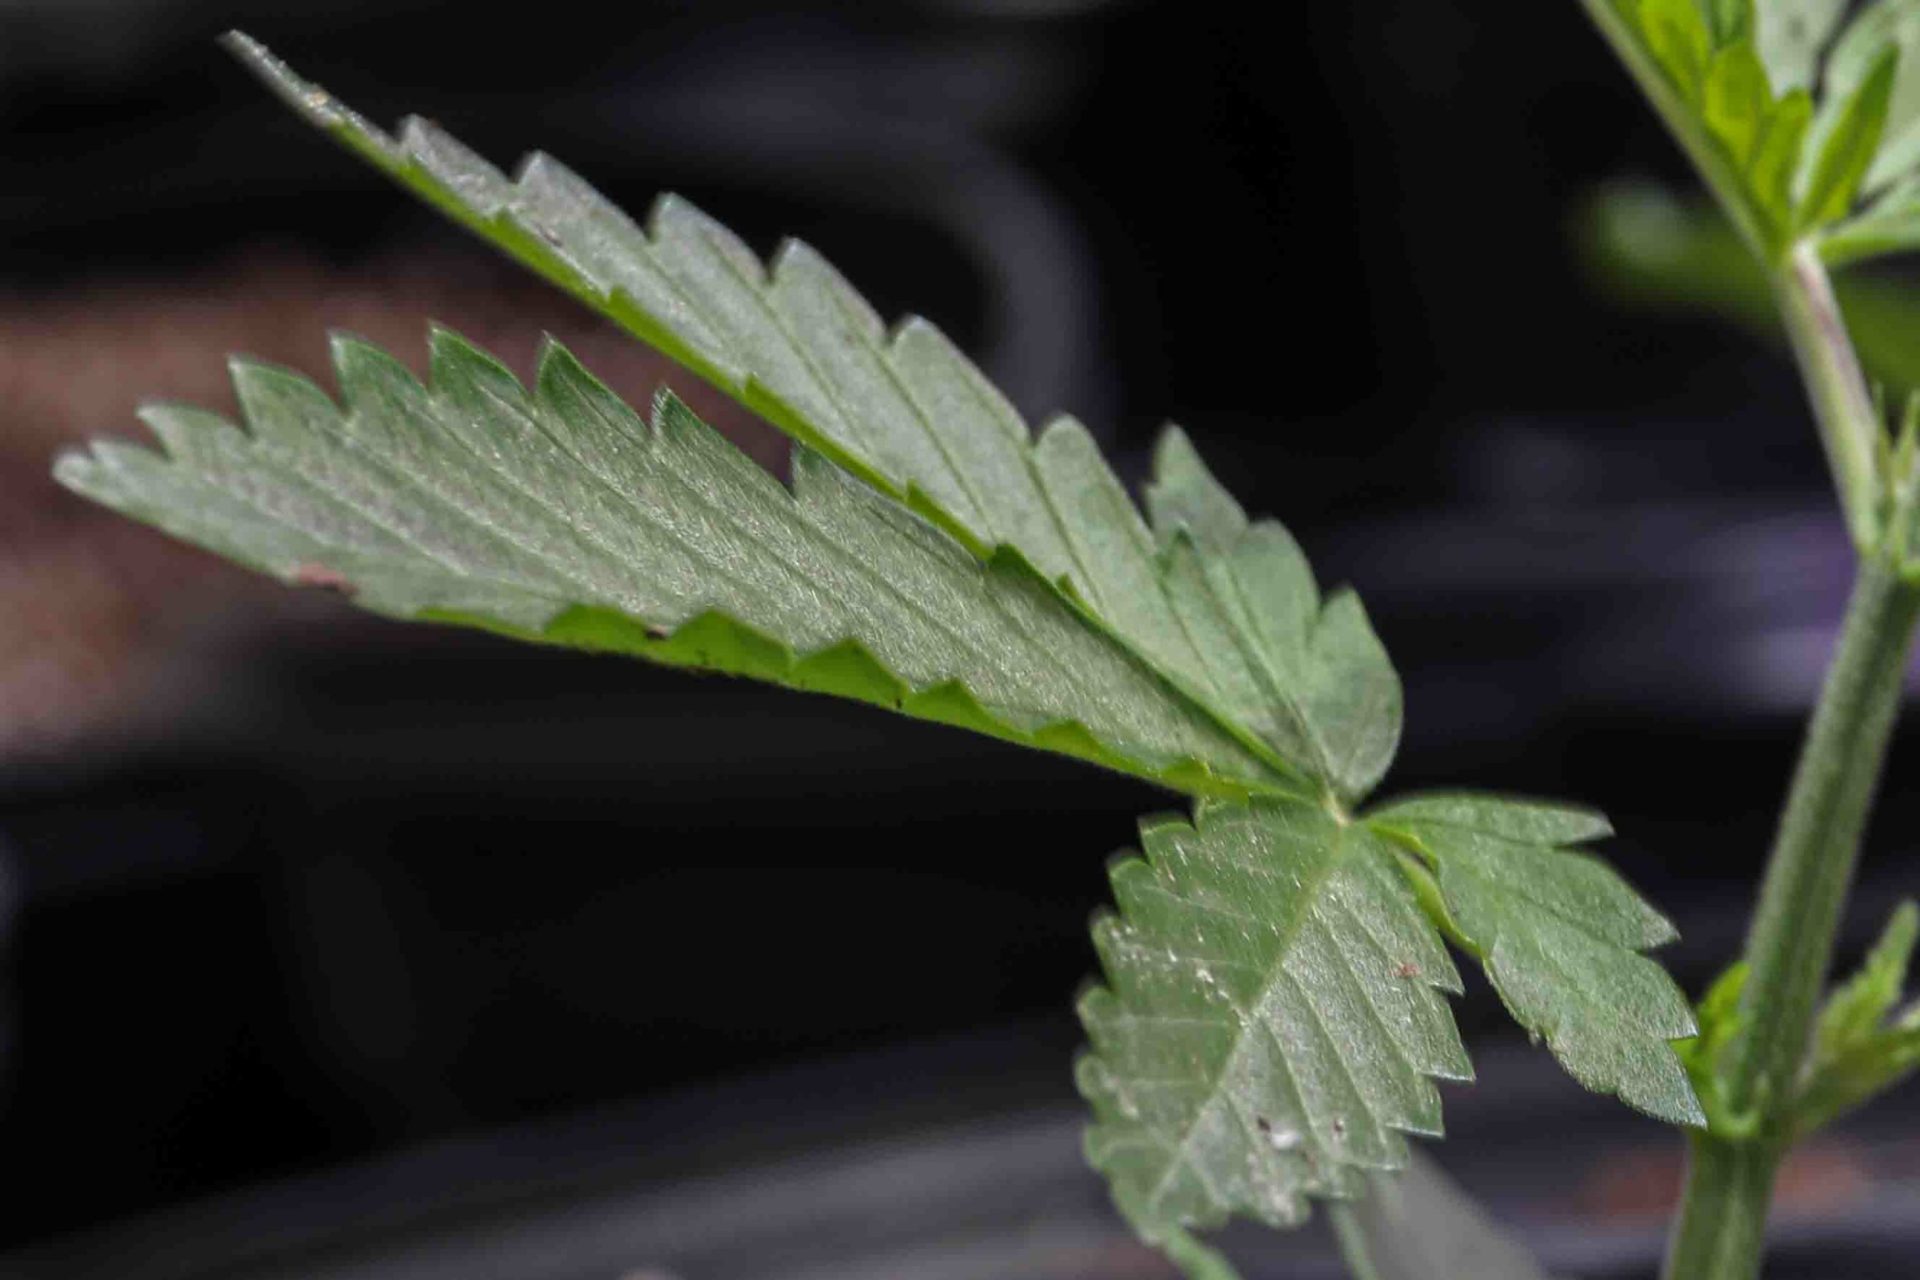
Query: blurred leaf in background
{"type": "Point", "coordinates": [1649, 249]}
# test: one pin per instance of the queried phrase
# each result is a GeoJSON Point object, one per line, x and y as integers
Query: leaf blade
{"type": "Point", "coordinates": [1221, 1081]}
{"type": "Point", "coordinates": [474, 498]}
{"type": "Point", "coordinates": [904, 411]}
{"type": "Point", "coordinates": [1560, 935]}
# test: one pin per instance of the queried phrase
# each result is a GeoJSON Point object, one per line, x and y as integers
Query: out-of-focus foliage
{"type": "Point", "coordinates": [1863, 1046]}
{"type": "Point", "coordinates": [1650, 249]}
{"type": "Point", "coordinates": [1803, 126]}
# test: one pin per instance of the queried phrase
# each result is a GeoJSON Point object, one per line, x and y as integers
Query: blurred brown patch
{"type": "Point", "coordinates": [1645, 1183]}
{"type": "Point", "coordinates": [92, 607]}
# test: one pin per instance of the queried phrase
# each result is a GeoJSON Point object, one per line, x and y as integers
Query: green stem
{"type": "Point", "coordinates": [1790, 944]}
{"type": "Point", "coordinates": [1351, 1236]}
{"type": "Point", "coordinates": [1723, 1220]}
{"type": "Point", "coordinates": [1849, 423]}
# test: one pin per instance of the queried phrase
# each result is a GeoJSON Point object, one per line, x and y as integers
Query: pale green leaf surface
{"type": "Point", "coordinates": [1421, 1225]}
{"type": "Point", "coordinates": [1676, 31]}
{"type": "Point", "coordinates": [475, 499]}
{"type": "Point", "coordinates": [906, 411]}
{"type": "Point", "coordinates": [1886, 25]}
{"type": "Point", "coordinates": [1889, 224]}
{"type": "Point", "coordinates": [1858, 1007]}
{"type": "Point", "coordinates": [1844, 139]}
{"type": "Point", "coordinates": [1560, 934]}
{"type": "Point", "coordinates": [1271, 1018]}
{"type": "Point", "coordinates": [1791, 36]}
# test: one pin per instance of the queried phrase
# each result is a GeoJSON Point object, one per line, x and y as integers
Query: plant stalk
{"type": "Point", "coordinates": [1722, 1229]}
{"type": "Point", "coordinates": [1720, 1233]}
{"type": "Point", "coordinates": [1850, 429]}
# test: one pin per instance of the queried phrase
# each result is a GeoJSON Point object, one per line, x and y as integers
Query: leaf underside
{"type": "Point", "coordinates": [1560, 934]}
{"type": "Point", "coordinates": [1273, 1016]}
{"type": "Point", "coordinates": [561, 515]}
{"type": "Point", "coordinates": [1271, 1020]}
{"type": "Point", "coordinates": [1225, 607]}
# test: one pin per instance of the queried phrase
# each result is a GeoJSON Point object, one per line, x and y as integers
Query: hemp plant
{"type": "Point", "coordinates": [1273, 1017]}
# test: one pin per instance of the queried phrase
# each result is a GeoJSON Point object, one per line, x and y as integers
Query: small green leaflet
{"type": "Point", "coordinates": [1844, 140]}
{"type": "Point", "coordinates": [1227, 610]}
{"type": "Point", "coordinates": [1560, 935]}
{"type": "Point", "coordinates": [1862, 1046]}
{"type": "Point", "coordinates": [1888, 28]}
{"type": "Point", "coordinates": [1271, 1017]}
{"type": "Point", "coordinates": [1705, 1055]}
{"type": "Point", "coordinates": [560, 515]}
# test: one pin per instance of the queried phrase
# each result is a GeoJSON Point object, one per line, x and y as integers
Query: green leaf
{"type": "Point", "coordinates": [1890, 224]}
{"type": "Point", "coordinates": [1312, 678]}
{"type": "Point", "coordinates": [1676, 32]}
{"type": "Point", "coordinates": [1792, 34]}
{"type": "Point", "coordinates": [905, 411]}
{"type": "Point", "coordinates": [1880, 27]}
{"type": "Point", "coordinates": [1273, 1016]}
{"type": "Point", "coordinates": [1776, 158]}
{"type": "Point", "coordinates": [1721, 1023]}
{"type": "Point", "coordinates": [1560, 935]}
{"type": "Point", "coordinates": [1420, 1225]}
{"type": "Point", "coordinates": [1733, 82]}
{"type": "Point", "coordinates": [1856, 1010]}
{"type": "Point", "coordinates": [1857, 1052]}
{"type": "Point", "coordinates": [560, 515]}
{"type": "Point", "coordinates": [1271, 1019]}
{"type": "Point", "coordinates": [1844, 140]}
{"type": "Point", "coordinates": [1737, 101]}
{"type": "Point", "coordinates": [1729, 20]}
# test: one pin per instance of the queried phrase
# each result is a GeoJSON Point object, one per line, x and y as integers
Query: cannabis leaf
{"type": "Point", "coordinates": [1735, 80]}
{"type": "Point", "coordinates": [561, 515]}
{"type": "Point", "coordinates": [1861, 1046]}
{"type": "Point", "coordinates": [1560, 935]}
{"type": "Point", "coordinates": [1270, 1021]}
{"type": "Point", "coordinates": [1273, 1015]}
{"type": "Point", "coordinates": [1226, 609]}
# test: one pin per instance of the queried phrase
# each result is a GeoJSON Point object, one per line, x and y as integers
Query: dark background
{"type": "Point", "coordinates": [292, 889]}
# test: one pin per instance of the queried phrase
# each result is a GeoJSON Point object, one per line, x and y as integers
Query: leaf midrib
{"type": "Point", "coordinates": [1251, 1024]}
{"type": "Point", "coordinates": [561, 270]}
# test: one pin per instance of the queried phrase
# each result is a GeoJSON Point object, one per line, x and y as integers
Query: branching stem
{"type": "Point", "coordinates": [1850, 429]}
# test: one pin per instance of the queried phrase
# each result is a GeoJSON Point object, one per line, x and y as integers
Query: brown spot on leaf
{"type": "Point", "coordinates": [322, 577]}
{"type": "Point", "coordinates": [1406, 970]}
